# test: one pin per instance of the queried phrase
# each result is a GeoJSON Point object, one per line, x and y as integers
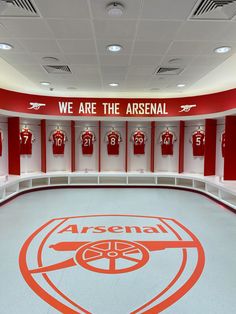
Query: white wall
{"type": "Point", "coordinates": [167, 163]}
{"type": "Point", "coordinates": [112, 162]}
{"type": "Point", "coordinates": [86, 162]}
{"type": "Point", "coordinates": [192, 164]}
{"type": "Point", "coordinates": [4, 157]}
{"type": "Point", "coordinates": [32, 163]}
{"type": "Point", "coordinates": [58, 162]}
{"type": "Point", "coordinates": [139, 162]}
{"type": "Point", "coordinates": [219, 158]}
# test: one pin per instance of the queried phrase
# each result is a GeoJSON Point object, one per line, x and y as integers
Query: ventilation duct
{"type": "Point", "coordinates": [214, 10]}
{"type": "Point", "coordinates": [17, 8]}
{"type": "Point", "coordinates": [57, 69]}
{"type": "Point", "coordinates": [168, 71]}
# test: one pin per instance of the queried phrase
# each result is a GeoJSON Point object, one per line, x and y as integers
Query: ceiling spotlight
{"type": "Point", "coordinates": [223, 49]}
{"type": "Point", "coordinates": [45, 83]}
{"type": "Point", "coordinates": [113, 84]}
{"type": "Point", "coordinates": [115, 9]}
{"type": "Point", "coordinates": [5, 46]}
{"type": "Point", "coordinates": [114, 48]}
{"type": "Point", "coordinates": [181, 85]}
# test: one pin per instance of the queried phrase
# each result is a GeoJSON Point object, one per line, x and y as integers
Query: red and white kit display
{"type": "Point", "coordinates": [167, 139]}
{"type": "Point", "coordinates": [198, 142]}
{"type": "Point", "coordinates": [26, 140]}
{"type": "Point", "coordinates": [58, 137]}
{"type": "Point", "coordinates": [1, 141]}
{"type": "Point", "coordinates": [139, 139]}
{"type": "Point", "coordinates": [87, 138]}
{"type": "Point", "coordinates": [223, 144]}
{"type": "Point", "coordinates": [113, 138]}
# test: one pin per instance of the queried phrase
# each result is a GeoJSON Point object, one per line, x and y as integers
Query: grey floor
{"type": "Point", "coordinates": [214, 226]}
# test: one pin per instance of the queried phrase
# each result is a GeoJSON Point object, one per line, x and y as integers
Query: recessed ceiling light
{"type": "Point", "coordinates": [181, 85]}
{"type": "Point", "coordinates": [113, 84]}
{"type": "Point", "coordinates": [71, 88]}
{"type": "Point", "coordinates": [115, 9]}
{"type": "Point", "coordinates": [45, 83]}
{"type": "Point", "coordinates": [223, 49]}
{"type": "Point", "coordinates": [5, 46]}
{"type": "Point", "coordinates": [114, 48]}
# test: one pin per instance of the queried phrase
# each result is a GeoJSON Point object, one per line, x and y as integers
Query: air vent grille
{"type": "Point", "coordinates": [57, 69]}
{"type": "Point", "coordinates": [168, 71]}
{"type": "Point", "coordinates": [215, 9]}
{"type": "Point", "coordinates": [17, 8]}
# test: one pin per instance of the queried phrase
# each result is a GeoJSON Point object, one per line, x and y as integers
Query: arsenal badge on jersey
{"type": "Point", "coordinates": [115, 264]}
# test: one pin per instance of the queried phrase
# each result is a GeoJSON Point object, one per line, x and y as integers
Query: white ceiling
{"type": "Point", "coordinates": [152, 33]}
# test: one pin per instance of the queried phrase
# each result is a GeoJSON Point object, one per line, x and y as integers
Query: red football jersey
{"type": "Point", "coordinates": [87, 138]}
{"type": "Point", "coordinates": [223, 144]}
{"type": "Point", "coordinates": [58, 137]}
{"type": "Point", "coordinates": [198, 143]}
{"type": "Point", "coordinates": [113, 138]}
{"type": "Point", "coordinates": [26, 139]}
{"type": "Point", "coordinates": [167, 139]}
{"type": "Point", "coordinates": [139, 138]}
{"type": "Point", "coordinates": [1, 140]}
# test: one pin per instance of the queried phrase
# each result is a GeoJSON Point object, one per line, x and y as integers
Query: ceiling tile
{"type": "Point", "coordinates": [71, 29]}
{"type": "Point", "coordinates": [167, 9]}
{"type": "Point", "coordinates": [146, 60]}
{"type": "Point", "coordinates": [119, 60]}
{"type": "Point", "coordinates": [81, 59]}
{"type": "Point", "coordinates": [77, 46]}
{"type": "Point", "coordinates": [61, 8]}
{"type": "Point", "coordinates": [18, 58]}
{"type": "Point", "coordinates": [157, 30]}
{"type": "Point", "coordinates": [132, 9]}
{"type": "Point", "coordinates": [150, 48]}
{"type": "Point", "coordinates": [28, 28]}
{"type": "Point", "coordinates": [185, 48]}
{"type": "Point", "coordinates": [201, 30]}
{"type": "Point", "coordinates": [114, 29]}
{"type": "Point", "coordinates": [46, 46]}
{"type": "Point", "coordinates": [141, 70]}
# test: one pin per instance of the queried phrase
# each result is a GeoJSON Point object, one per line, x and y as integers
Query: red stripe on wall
{"type": "Point", "coordinates": [14, 145]}
{"type": "Point", "coordinates": [181, 146]}
{"type": "Point", "coordinates": [126, 145]}
{"type": "Point", "coordinates": [43, 147]}
{"type": "Point", "coordinates": [210, 148]}
{"type": "Point", "coordinates": [72, 126]}
{"type": "Point", "coordinates": [230, 148]}
{"type": "Point", "coordinates": [152, 161]}
{"type": "Point", "coordinates": [99, 146]}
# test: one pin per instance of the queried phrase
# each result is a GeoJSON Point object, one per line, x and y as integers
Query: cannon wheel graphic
{"type": "Point", "coordinates": [134, 253]}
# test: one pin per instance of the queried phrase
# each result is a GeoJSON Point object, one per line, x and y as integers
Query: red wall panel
{"type": "Point", "coordinates": [230, 148]}
{"type": "Point", "coordinates": [99, 146]}
{"type": "Point", "coordinates": [14, 145]}
{"type": "Point", "coordinates": [72, 146]}
{"type": "Point", "coordinates": [126, 145]}
{"type": "Point", "coordinates": [181, 146]}
{"type": "Point", "coordinates": [43, 147]}
{"type": "Point", "coordinates": [152, 165]}
{"type": "Point", "coordinates": [210, 148]}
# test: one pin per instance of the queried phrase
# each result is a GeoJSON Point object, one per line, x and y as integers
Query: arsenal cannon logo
{"type": "Point", "coordinates": [116, 264]}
